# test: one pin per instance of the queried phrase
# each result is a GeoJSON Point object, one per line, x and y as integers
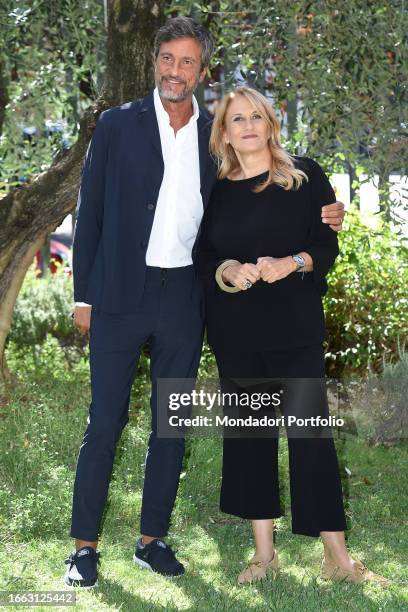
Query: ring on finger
{"type": "Point", "coordinates": [246, 284]}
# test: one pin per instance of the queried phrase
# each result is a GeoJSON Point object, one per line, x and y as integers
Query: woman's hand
{"type": "Point", "coordinates": [239, 274]}
{"type": "Point", "coordinates": [273, 268]}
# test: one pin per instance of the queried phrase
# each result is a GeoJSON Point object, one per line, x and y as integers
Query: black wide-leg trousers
{"type": "Point", "coordinates": [171, 318]}
{"type": "Point", "coordinates": [250, 486]}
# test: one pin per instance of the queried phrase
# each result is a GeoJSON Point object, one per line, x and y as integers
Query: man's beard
{"type": "Point", "coordinates": [176, 97]}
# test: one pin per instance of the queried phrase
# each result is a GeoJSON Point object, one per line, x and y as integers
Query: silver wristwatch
{"type": "Point", "coordinates": [299, 261]}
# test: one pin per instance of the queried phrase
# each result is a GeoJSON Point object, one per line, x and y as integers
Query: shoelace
{"type": "Point", "coordinates": [167, 547]}
{"type": "Point", "coordinates": [162, 545]}
{"type": "Point", "coordinates": [73, 557]}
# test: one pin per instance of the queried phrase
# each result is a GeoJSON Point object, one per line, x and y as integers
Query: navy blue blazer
{"type": "Point", "coordinates": [121, 178]}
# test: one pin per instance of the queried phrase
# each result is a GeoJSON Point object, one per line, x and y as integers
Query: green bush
{"type": "Point", "coordinates": [378, 404]}
{"type": "Point", "coordinates": [44, 306]}
{"type": "Point", "coordinates": [42, 337]}
{"type": "Point", "coordinates": [387, 403]}
{"type": "Point", "coordinates": [48, 360]}
{"type": "Point", "coordinates": [366, 305]}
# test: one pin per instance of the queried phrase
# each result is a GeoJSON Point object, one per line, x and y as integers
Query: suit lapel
{"type": "Point", "coordinates": [147, 116]}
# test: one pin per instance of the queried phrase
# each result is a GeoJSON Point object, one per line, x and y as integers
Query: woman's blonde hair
{"type": "Point", "coordinates": [282, 170]}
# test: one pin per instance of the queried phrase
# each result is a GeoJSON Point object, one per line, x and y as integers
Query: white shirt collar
{"type": "Point", "coordinates": [163, 115]}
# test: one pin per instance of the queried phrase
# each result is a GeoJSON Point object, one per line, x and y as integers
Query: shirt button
{"type": "Point", "coordinates": [150, 206]}
{"type": "Point", "coordinates": [143, 244]}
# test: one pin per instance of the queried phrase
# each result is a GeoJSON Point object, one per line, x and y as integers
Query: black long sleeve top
{"type": "Point", "coordinates": [243, 225]}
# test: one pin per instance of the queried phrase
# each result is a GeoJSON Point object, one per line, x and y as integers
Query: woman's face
{"type": "Point", "coordinates": [245, 129]}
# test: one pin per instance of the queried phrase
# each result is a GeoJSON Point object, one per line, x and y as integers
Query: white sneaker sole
{"type": "Point", "coordinates": [142, 563]}
{"type": "Point", "coordinates": [77, 586]}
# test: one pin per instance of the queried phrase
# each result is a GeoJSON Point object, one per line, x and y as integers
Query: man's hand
{"type": "Point", "coordinates": [273, 269]}
{"type": "Point", "coordinates": [333, 214]}
{"type": "Point", "coordinates": [82, 318]}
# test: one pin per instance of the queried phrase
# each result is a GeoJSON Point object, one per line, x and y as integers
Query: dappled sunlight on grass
{"type": "Point", "coordinates": [40, 437]}
{"type": "Point", "coordinates": [201, 549]}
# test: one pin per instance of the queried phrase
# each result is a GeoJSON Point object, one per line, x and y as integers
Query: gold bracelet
{"type": "Point", "coordinates": [219, 279]}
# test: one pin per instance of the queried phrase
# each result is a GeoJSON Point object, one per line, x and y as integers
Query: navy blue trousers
{"type": "Point", "coordinates": [171, 318]}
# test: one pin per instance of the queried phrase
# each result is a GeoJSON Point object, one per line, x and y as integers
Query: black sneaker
{"type": "Point", "coordinates": [157, 557]}
{"type": "Point", "coordinates": [82, 568]}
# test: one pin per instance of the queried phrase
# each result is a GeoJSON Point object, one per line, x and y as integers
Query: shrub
{"type": "Point", "coordinates": [42, 331]}
{"type": "Point", "coordinates": [366, 305]}
{"type": "Point", "coordinates": [379, 405]}
{"type": "Point", "coordinates": [44, 306]}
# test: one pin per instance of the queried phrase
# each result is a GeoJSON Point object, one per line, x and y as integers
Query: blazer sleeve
{"type": "Point", "coordinates": [208, 259]}
{"type": "Point", "coordinates": [323, 246]}
{"type": "Point", "coordinates": [89, 210]}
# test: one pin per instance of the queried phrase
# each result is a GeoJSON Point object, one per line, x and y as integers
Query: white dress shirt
{"type": "Point", "coordinates": [179, 207]}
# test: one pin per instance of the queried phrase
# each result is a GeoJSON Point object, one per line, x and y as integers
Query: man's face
{"type": "Point", "coordinates": [178, 69]}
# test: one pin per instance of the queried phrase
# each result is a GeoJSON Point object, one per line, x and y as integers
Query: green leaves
{"type": "Point", "coordinates": [51, 55]}
{"type": "Point", "coordinates": [366, 305]}
{"type": "Point", "coordinates": [345, 66]}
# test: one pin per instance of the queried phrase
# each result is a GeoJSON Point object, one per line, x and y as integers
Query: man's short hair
{"type": "Point", "coordinates": [185, 27]}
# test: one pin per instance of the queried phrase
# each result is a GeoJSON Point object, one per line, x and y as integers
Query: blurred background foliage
{"type": "Point", "coordinates": [51, 65]}
{"type": "Point", "coordinates": [366, 305]}
{"type": "Point", "coordinates": [337, 69]}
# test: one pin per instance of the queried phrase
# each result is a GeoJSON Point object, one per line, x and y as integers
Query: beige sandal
{"type": "Point", "coordinates": [258, 570]}
{"type": "Point", "coordinates": [358, 575]}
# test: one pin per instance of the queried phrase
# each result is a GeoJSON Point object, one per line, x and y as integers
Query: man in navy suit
{"type": "Point", "coordinates": [146, 179]}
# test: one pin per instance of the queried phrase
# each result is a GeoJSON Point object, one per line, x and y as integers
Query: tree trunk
{"type": "Point", "coordinates": [4, 99]}
{"type": "Point", "coordinates": [350, 169]}
{"type": "Point", "coordinates": [29, 213]}
{"type": "Point", "coordinates": [384, 193]}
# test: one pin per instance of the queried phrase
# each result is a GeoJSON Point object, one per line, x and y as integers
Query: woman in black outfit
{"type": "Point", "coordinates": [264, 256]}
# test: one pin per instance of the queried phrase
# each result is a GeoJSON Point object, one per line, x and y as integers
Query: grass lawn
{"type": "Point", "coordinates": [42, 420]}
